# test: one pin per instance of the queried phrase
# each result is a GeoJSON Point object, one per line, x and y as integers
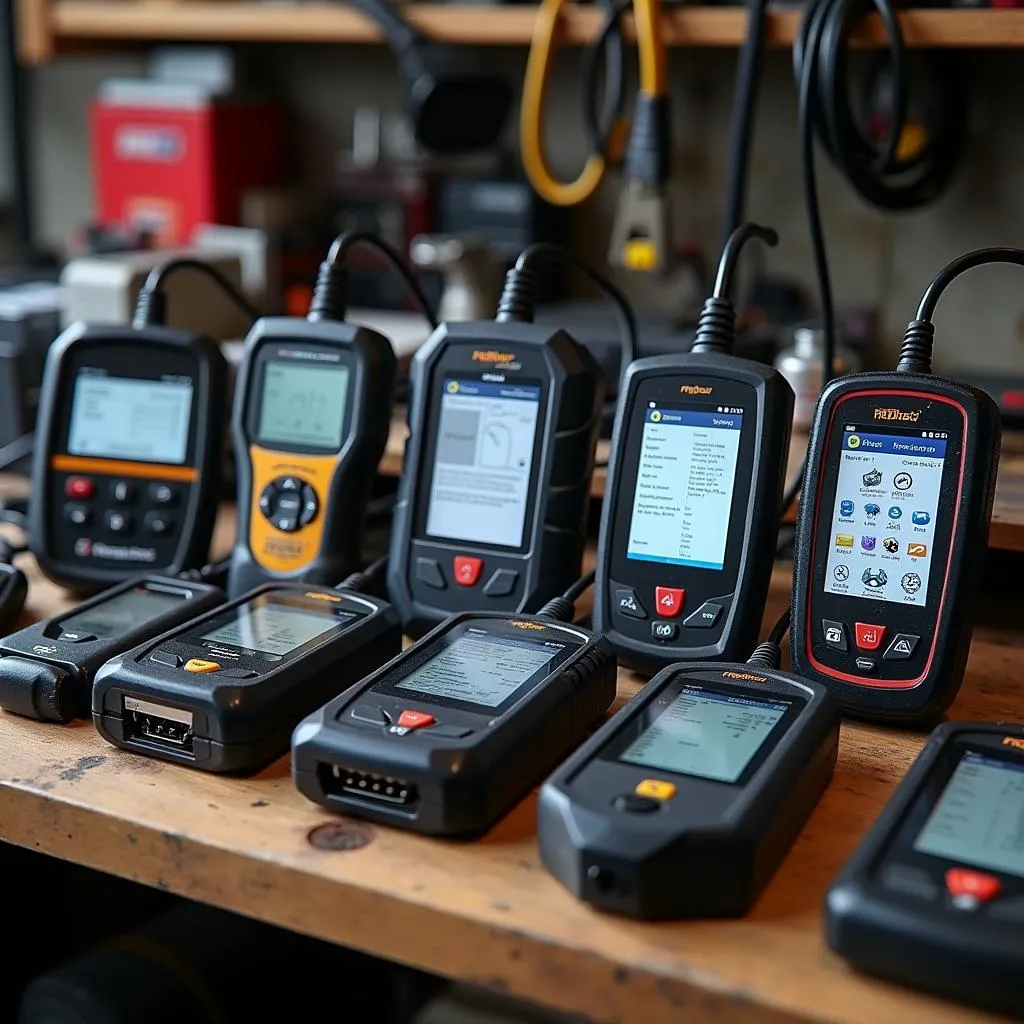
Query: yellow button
{"type": "Point", "coordinates": [656, 789]}
{"type": "Point", "coordinates": [199, 665]}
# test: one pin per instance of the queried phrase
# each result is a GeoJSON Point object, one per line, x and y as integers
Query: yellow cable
{"type": "Point", "coordinates": [651, 43]}
{"type": "Point", "coordinates": [531, 128]}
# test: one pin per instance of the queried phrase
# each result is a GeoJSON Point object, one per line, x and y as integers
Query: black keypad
{"type": "Point", "coordinates": [288, 503]}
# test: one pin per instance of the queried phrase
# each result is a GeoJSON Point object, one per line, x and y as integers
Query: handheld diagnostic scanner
{"type": "Point", "coordinates": [126, 470]}
{"type": "Point", "coordinates": [495, 488]}
{"type": "Point", "coordinates": [47, 669]}
{"type": "Point", "coordinates": [695, 479]}
{"type": "Point", "coordinates": [224, 691]}
{"type": "Point", "coordinates": [450, 735]}
{"type": "Point", "coordinates": [707, 776]}
{"type": "Point", "coordinates": [893, 526]}
{"type": "Point", "coordinates": [934, 896]}
{"type": "Point", "coordinates": [311, 419]}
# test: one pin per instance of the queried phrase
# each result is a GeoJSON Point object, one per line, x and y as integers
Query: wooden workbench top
{"type": "Point", "coordinates": [483, 912]}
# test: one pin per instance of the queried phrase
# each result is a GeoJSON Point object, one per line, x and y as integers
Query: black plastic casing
{"type": "Point", "coordinates": [550, 558]}
{"type": "Point", "coordinates": [13, 592]}
{"type": "Point", "coordinates": [741, 587]}
{"type": "Point", "coordinates": [920, 688]}
{"type": "Point", "coordinates": [921, 939]}
{"type": "Point", "coordinates": [467, 784]}
{"type": "Point", "coordinates": [327, 549]}
{"type": "Point", "coordinates": [241, 725]}
{"type": "Point", "coordinates": [44, 677]}
{"type": "Point", "coordinates": [710, 849]}
{"type": "Point", "coordinates": [146, 354]}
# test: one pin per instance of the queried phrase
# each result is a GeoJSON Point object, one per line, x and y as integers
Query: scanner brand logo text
{"type": "Point", "coordinates": [526, 625]}
{"type": "Point", "coordinates": [745, 676]}
{"type": "Point", "coordinates": [1013, 741]}
{"type": "Point", "coordinates": [695, 389]}
{"type": "Point", "coordinates": [492, 356]}
{"type": "Point", "coordinates": [901, 415]}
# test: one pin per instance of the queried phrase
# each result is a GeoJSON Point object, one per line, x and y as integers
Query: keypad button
{"type": "Point", "coordinates": [122, 492]}
{"type": "Point", "coordinates": [466, 570]}
{"type": "Point", "coordinates": [450, 732]}
{"type": "Point", "coordinates": [370, 714]}
{"type": "Point", "coordinates": [159, 524]}
{"type": "Point", "coordinates": [910, 880]}
{"type": "Point", "coordinates": [163, 494]}
{"type": "Point", "coordinates": [79, 515]}
{"type": "Point", "coordinates": [267, 500]}
{"type": "Point", "coordinates": [868, 636]}
{"type": "Point", "coordinates": [118, 522]}
{"type": "Point", "coordinates": [636, 804]}
{"type": "Point", "coordinates": [627, 603]}
{"type": "Point", "coordinates": [429, 571]}
{"type": "Point", "coordinates": [75, 637]}
{"type": "Point", "coordinates": [165, 658]}
{"type": "Point", "coordinates": [289, 483]}
{"type": "Point", "coordinates": [501, 583]}
{"type": "Point", "coordinates": [81, 488]}
{"type": "Point", "coordinates": [902, 647]}
{"type": "Point", "coordinates": [705, 617]}
{"type": "Point", "coordinates": [310, 506]}
{"type": "Point", "coordinates": [286, 523]}
{"type": "Point", "coordinates": [669, 601]}
{"type": "Point", "coordinates": [664, 631]}
{"type": "Point", "coordinates": [288, 504]}
{"type": "Point", "coordinates": [865, 665]}
{"type": "Point", "coordinates": [834, 634]}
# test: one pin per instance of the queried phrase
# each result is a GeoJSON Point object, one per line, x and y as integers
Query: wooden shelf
{"type": "Point", "coordinates": [50, 26]}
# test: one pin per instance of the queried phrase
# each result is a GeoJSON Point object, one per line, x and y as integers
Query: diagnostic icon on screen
{"type": "Point", "coordinates": [921, 518]}
{"type": "Point", "coordinates": [895, 512]}
{"type": "Point", "coordinates": [891, 544]}
{"type": "Point", "coordinates": [872, 478]}
{"type": "Point", "coordinates": [903, 481]}
{"type": "Point", "coordinates": [875, 578]}
{"type": "Point", "coordinates": [871, 509]}
{"type": "Point", "coordinates": [911, 583]}
{"type": "Point", "coordinates": [841, 573]}
{"type": "Point", "coordinates": [846, 508]}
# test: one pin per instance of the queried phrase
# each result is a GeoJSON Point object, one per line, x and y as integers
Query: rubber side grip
{"type": "Point", "coordinates": [36, 690]}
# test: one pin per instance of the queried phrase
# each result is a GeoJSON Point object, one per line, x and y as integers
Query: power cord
{"type": "Point", "coordinates": [769, 654]}
{"type": "Point", "coordinates": [214, 573]}
{"type": "Point", "coordinates": [329, 301]}
{"type": "Point", "coordinates": [517, 303]}
{"type": "Point", "coordinates": [362, 581]}
{"type": "Point", "coordinates": [563, 609]}
{"type": "Point", "coordinates": [151, 305]}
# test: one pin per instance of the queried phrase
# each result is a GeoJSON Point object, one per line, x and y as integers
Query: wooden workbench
{"type": "Point", "coordinates": [485, 912]}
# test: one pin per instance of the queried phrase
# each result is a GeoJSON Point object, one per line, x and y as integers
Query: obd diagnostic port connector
{"type": "Point", "coordinates": [159, 724]}
{"type": "Point", "coordinates": [337, 779]}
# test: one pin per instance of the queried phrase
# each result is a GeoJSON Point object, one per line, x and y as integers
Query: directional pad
{"type": "Point", "coordinates": [288, 503]}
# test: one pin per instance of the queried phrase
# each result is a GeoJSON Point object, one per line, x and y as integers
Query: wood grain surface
{"type": "Point", "coordinates": [483, 912]}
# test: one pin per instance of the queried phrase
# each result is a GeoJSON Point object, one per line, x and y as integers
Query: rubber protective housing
{"type": "Point", "coordinates": [756, 530]}
{"type": "Point", "coordinates": [349, 481]}
{"type": "Point", "coordinates": [700, 854]}
{"type": "Point", "coordinates": [44, 677]}
{"type": "Point", "coordinates": [197, 515]}
{"type": "Point", "coordinates": [555, 528]}
{"type": "Point", "coordinates": [893, 936]}
{"type": "Point", "coordinates": [240, 726]}
{"type": "Point", "coordinates": [954, 620]}
{"type": "Point", "coordinates": [465, 785]}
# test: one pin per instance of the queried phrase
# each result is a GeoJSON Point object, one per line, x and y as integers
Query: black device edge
{"type": "Point", "coordinates": [361, 450]}
{"type": "Point", "coordinates": [955, 625]}
{"type": "Point", "coordinates": [753, 577]}
{"type": "Point", "coordinates": [199, 522]}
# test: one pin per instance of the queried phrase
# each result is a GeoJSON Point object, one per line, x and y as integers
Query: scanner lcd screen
{"type": "Point", "coordinates": [121, 614]}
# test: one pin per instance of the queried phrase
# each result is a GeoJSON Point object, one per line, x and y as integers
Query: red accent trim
{"type": "Point", "coordinates": [885, 684]}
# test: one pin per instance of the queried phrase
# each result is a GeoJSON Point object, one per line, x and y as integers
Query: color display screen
{"type": "Point", "coordinates": [483, 462]}
{"type": "Point", "coordinates": [480, 669]}
{"type": "Point", "coordinates": [303, 404]}
{"type": "Point", "coordinates": [684, 486]}
{"type": "Point", "coordinates": [272, 628]}
{"type": "Point", "coordinates": [979, 819]}
{"type": "Point", "coordinates": [129, 418]}
{"type": "Point", "coordinates": [883, 521]}
{"type": "Point", "coordinates": [706, 734]}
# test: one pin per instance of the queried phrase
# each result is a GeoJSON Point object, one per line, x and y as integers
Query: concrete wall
{"type": "Point", "coordinates": [883, 261]}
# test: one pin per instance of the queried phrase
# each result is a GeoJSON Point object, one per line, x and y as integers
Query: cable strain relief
{"type": "Point", "coordinates": [767, 655]}
{"type": "Point", "coordinates": [916, 351]}
{"type": "Point", "coordinates": [329, 294]}
{"type": "Point", "coordinates": [560, 609]}
{"type": "Point", "coordinates": [516, 304]}
{"type": "Point", "coordinates": [150, 309]}
{"type": "Point", "coordinates": [355, 583]}
{"type": "Point", "coordinates": [716, 327]}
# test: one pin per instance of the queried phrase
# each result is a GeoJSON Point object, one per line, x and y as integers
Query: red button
{"type": "Point", "coordinates": [974, 884]}
{"type": "Point", "coordinates": [467, 570]}
{"type": "Point", "coordinates": [669, 601]}
{"type": "Point", "coordinates": [79, 487]}
{"type": "Point", "coordinates": [415, 719]}
{"type": "Point", "coordinates": [869, 637]}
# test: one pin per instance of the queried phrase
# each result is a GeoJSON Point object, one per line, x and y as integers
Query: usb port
{"type": "Point", "coordinates": [158, 724]}
{"type": "Point", "coordinates": [336, 780]}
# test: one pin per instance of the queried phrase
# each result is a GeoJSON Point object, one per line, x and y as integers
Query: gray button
{"type": "Point", "coordinates": [705, 616]}
{"type": "Point", "coordinates": [122, 492]}
{"type": "Point", "coordinates": [310, 507]}
{"type": "Point", "coordinates": [834, 634]}
{"type": "Point", "coordinates": [370, 714]}
{"type": "Point", "coordinates": [429, 571]}
{"type": "Point", "coordinates": [159, 523]}
{"type": "Point", "coordinates": [236, 673]}
{"type": "Point", "coordinates": [166, 658]}
{"type": "Point", "coordinates": [118, 522]}
{"type": "Point", "coordinates": [288, 504]}
{"type": "Point", "coordinates": [267, 500]}
{"type": "Point", "coordinates": [502, 583]}
{"type": "Point", "coordinates": [902, 647]}
{"type": "Point", "coordinates": [664, 631]}
{"type": "Point", "coordinates": [74, 637]}
{"type": "Point", "coordinates": [910, 880]}
{"type": "Point", "coordinates": [286, 523]}
{"type": "Point", "coordinates": [80, 515]}
{"type": "Point", "coordinates": [636, 804]}
{"type": "Point", "coordinates": [1007, 910]}
{"type": "Point", "coordinates": [449, 732]}
{"type": "Point", "coordinates": [627, 603]}
{"type": "Point", "coordinates": [865, 665]}
{"type": "Point", "coordinates": [163, 494]}
{"type": "Point", "coordinates": [289, 483]}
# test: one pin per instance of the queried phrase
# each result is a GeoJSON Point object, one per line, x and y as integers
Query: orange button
{"type": "Point", "coordinates": [201, 665]}
{"type": "Point", "coordinates": [467, 570]}
{"type": "Point", "coordinates": [415, 719]}
{"type": "Point", "coordinates": [974, 884]}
